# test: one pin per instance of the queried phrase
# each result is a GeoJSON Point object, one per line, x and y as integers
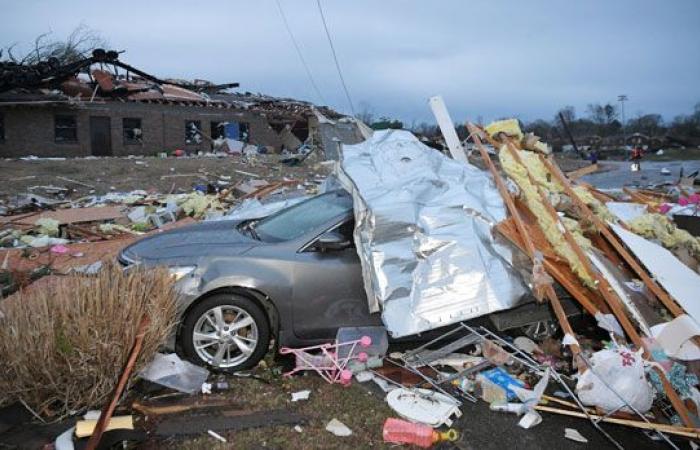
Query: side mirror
{"type": "Point", "coordinates": [332, 240]}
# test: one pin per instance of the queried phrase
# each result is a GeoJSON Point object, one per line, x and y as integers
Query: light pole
{"type": "Point", "coordinates": [622, 99]}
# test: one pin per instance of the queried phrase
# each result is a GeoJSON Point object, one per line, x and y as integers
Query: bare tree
{"type": "Point", "coordinates": [77, 45]}
{"type": "Point", "coordinates": [366, 113]}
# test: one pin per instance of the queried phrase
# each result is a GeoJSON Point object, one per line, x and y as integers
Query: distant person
{"type": "Point", "coordinates": [593, 157]}
{"type": "Point", "coordinates": [637, 155]}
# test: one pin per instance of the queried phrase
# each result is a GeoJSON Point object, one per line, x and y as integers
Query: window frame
{"type": "Point", "coordinates": [63, 140]}
{"type": "Point", "coordinates": [198, 125]}
{"type": "Point", "coordinates": [128, 140]}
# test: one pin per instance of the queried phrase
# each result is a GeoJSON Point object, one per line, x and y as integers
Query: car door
{"type": "Point", "coordinates": [328, 291]}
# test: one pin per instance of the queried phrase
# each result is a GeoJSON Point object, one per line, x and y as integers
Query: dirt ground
{"type": "Point", "coordinates": [168, 175]}
{"type": "Point", "coordinates": [362, 408]}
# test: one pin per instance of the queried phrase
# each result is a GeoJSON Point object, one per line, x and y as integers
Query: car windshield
{"type": "Point", "coordinates": [303, 217]}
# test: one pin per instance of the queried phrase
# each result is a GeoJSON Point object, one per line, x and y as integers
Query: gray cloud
{"type": "Point", "coordinates": [487, 58]}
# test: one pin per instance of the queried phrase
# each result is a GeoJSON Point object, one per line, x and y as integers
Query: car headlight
{"type": "Point", "coordinates": [179, 272]}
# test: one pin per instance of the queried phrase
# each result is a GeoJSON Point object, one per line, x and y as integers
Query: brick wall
{"type": "Point", "coordinates": [30, 130]}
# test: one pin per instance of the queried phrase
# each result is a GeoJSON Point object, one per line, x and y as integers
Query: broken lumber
{"type": "Point", "coordinates": [689, 432]}
{"type": "Point", "coordinates": [529, 246]}
{"type": "Point", "coordinates": [578, 173]}
{"type": "Point", "coordinates": [109, 408]}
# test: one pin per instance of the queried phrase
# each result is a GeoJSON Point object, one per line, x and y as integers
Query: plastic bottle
{"type": "Point", "coordinates": [399, 431]}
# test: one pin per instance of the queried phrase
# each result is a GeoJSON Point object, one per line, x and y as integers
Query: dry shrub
{"type": "Point", "coordinates": [63, 348]}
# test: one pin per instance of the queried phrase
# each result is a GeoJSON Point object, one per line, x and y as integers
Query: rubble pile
{"type": "Point", "coordinates": [440, 242]}
{"type": "Point", "coordinates": [63, 231]}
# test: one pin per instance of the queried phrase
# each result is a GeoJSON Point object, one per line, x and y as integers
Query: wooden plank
{"type": "Point", "coordinates": [609, 236]}
{"type": "Point", "coordinates": [613, 301]}
{"type": "Point", "coordinates": [560, 271]}
{"type": "Point", "coordinates": [442, 116]}
{"type": "Point", "coordinates": [531, 251]}
{"type": "Point", "coordinates": [689, 432]}
{"type": "Point", "coordinates": [71, 215]}
{"type": "Point", "coordinates": [583, 171]}
{"type": "Point", "coordinates": [109, 408]}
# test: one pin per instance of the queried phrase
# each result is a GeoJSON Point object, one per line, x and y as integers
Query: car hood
{"type": "Point", "coordinates": [190, 242]}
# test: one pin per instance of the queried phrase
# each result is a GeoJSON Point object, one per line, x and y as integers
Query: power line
{"type": "Point", "coordinates": [301, 56]}
{"type": "Point", "coordinates": [335, 57]}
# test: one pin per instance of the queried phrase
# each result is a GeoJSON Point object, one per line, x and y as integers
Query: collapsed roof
{"type": "Point", "coordinates": [98, 78]}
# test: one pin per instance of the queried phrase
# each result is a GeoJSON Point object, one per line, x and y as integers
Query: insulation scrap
{"type": "Point", "coordinates": [510, 127]}
{"type": "Point", "coordinates": [532, 142]}
{"type": "Point", "coordinates": [596, 205]}
{"type": "Point", "coordinates": [48, 227]}
{"type": "Point", "coordinates": [539, 172]}
{"type": "Point", "coordinates": [552, 229]}
{"type": "Point", "coordinates": [110, 228]}
{"type": "Point", "coordinates": [660, 227]}
{"type": "Point", "coordinates": [196, 204]}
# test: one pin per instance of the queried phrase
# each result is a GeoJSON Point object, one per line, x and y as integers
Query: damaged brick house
{"type": "Point", "coordinates": [91, 107]}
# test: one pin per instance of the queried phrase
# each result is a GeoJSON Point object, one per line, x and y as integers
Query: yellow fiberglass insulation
{"type": "Point", "coordinates": [659, 227]}
{"type": "Point", "coordinates": [510, 127]}
{"type": "Point", "coordinates": [539, 172]}
{"type": "Point", "coordinates": [549, 226]}
{"type": "Point", "coordinates": [197, 204]}
{"type": "Point", "coordinates": [596, 205]}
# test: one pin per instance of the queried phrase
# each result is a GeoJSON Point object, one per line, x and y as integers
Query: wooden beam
{"type": "Point", "coordinates": [611, 298]}
{"type": "Point", "coordinates": [612, 239]}
{"type": "Point", "coordinates": [109, 408]}
{"type": "Point", "coordinates": [688, 432]}
{"type": "Point", "coordinates": [583, 171]}
{"type": "Point", "coordinates": [531, 251]}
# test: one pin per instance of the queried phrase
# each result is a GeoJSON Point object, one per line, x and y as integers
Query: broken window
{"type": "Point", "coordinates": [65, 128]}
{"type": "Point", "coordinates": [244, 131]}
{"type": "Point", "coordinates": [193, 134]}
{"type": "Point", "coordinates": [217, 130]}
{"type": "Point", "coordinates": [132, 130]}
{"type": "Point", "coordinates": [2, 128]}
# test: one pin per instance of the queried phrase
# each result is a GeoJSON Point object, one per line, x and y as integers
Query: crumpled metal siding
{"type": "Point", "coordinates": [423, 234]}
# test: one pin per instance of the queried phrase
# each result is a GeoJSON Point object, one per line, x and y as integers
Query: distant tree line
{"type": "Point", "coordinates": [601, 121]}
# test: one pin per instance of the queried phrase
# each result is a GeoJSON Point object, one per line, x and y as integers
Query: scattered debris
{"type": "Point", "coordinates": [338, 428]}
{"type": "Point", "coordinates": [171, 371]}
{"type": "Point", "coordinates": [574, 435]}
{"type": "Point", "coordinates": [301, 395]}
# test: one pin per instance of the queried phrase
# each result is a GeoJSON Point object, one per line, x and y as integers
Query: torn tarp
{"type": "Point", "coordinates": [423, 234]}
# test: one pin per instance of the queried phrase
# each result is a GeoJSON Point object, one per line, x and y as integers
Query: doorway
{"type": "Point", "coordinates": [100, 136]}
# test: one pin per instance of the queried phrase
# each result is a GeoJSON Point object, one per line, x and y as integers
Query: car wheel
{"type": "Point", "coordinates": [225, 331]}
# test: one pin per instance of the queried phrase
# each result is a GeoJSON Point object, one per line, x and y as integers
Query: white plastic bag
{"type": "Point", "coordinates": [622, 370]}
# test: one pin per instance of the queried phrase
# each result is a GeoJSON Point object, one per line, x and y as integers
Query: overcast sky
{"type": "Point", "coordinates": [486, 58]}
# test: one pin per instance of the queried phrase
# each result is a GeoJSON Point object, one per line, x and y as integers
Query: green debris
{"type": "Point", "coordinates": [47, 226]}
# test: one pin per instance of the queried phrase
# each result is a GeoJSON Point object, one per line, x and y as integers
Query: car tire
{"type": "Point", "coordinates": [204, 347]}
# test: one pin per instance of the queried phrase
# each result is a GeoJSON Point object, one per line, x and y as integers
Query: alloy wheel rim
{"type": "Point", "coordinates": [225, 336]}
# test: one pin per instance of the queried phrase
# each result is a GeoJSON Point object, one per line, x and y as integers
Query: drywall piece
{"type": "Point", "coordinates": [676, 278]}
{"type": "Point", "coordinates": [627, 211]}
{"type": "Point", "coordinates": [606, 269]}
{"type": "Point", "coordinates": [675, 337]}
{"type": "Point", "coordinates": [437, 104]}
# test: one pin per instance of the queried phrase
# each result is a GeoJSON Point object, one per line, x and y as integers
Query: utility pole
{"type": "Point", "coordinates": [622, 99]}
